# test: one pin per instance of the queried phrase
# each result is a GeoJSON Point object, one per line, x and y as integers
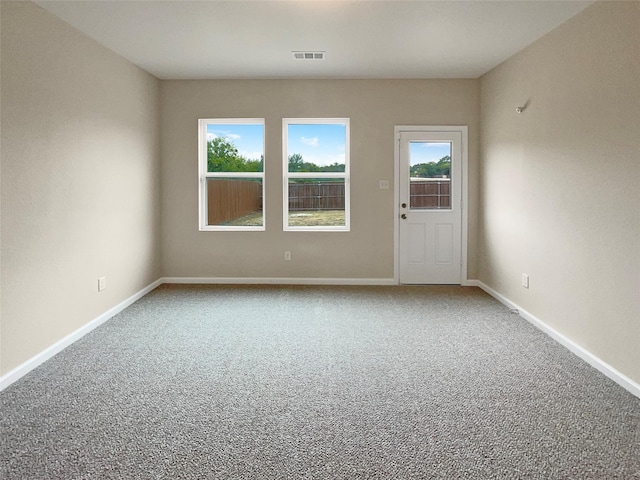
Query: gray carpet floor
{"type": "Point", "coordinates": [307, 382]}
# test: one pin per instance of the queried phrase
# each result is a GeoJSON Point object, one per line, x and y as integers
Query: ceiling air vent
{"type": "Point", "coordinates": [308, 55]}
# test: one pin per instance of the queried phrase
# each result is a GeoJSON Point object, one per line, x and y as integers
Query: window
{"type": "Point", "coordinates": [231, 167]}
{"type": "Point", "coordinates": [316, 174]}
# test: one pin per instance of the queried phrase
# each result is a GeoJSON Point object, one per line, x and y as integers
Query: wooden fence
{"type": "Point", "coordinates": [316, 196]}
{"type": "Point", "coordinates": [230, 200]}
{"type": "Point", "coordinates": [430, 193]}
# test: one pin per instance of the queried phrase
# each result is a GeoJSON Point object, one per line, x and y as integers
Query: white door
{"type": "Point", "coordinates": [430, 207]}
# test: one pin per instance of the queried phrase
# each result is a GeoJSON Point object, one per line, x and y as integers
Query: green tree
{"type": "Point", "coordinates": [223, 156]}
{"type": "Point", "coordinates": [296, 162]}
{"type": "Point", "coordinates": [254, 165]}
{"type": "Point", "coordinates": [433, 169]}
{"type": "Point", "coordinates": [444, 166]}
{"type": "Point", "coordinates": [334, 167]}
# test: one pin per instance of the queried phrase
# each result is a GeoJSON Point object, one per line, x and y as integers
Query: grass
{"type": "Point", "coordinates": [306, 218]}
{"type": "Point", "coordinates": [251, 220]}
{"type": "Point", "coordinates": [317, 218]}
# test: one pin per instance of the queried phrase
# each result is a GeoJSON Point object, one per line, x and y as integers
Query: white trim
{"type": "Point", "coordinates": [233, 174]}
{"type": "Point", "coordinates": [278, 281]}
{"type": "Point", "coordinates": [464, 130]}
{"type": "Point", "coordinates": [37, 360]}
{"type": "Point", "coordinates": [597, 363]}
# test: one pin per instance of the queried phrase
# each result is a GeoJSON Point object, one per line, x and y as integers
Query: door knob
{"type": "Point", "coordinates": [403, 216]}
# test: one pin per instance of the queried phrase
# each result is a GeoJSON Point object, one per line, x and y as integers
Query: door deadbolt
{"type": "Point", "coordinates": [404, 205]}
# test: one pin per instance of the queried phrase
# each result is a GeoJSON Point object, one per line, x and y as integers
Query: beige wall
{"type": "Point", "coordinates": [559, 184]}
{"type": "Point", "coordinates": [80, 180]}
{"type": "Point", "coordinates": [374, 107]}
{"type": "Point", "coordinates": [84, 193]}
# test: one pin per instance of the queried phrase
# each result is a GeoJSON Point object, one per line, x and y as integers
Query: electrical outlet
{"type": "Point", "coordinates": [102, 283]}
{"type": "Point", "coordinates": [525, 280]}
{"type": "Point", "coordinates": [287, 255]}
{"type": "Point", "coordinates": [383, 184]}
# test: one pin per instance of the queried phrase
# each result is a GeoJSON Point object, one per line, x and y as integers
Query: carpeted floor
{"type": "Point", "coordinates": [307, 382]}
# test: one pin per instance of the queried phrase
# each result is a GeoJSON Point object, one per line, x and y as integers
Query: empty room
{"type": "Point", "coordinates": [320, 239]}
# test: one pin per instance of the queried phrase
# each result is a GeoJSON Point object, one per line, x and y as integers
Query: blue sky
{"type": "Point", "coordinates": [322, 144]}
{"type": "Point", "coordinates": [248, 139]}
{"type": "Point", "coordinates": [425, 152]}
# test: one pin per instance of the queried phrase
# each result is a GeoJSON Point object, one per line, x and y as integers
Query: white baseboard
{"type": "Point", "coordinates": [581, 352]}
{"type": "Point", "coordinates": [279, 281]}
{"type": "Point", "coordinates": [57, 347]}
{"type": "Point", "coordinates": [21, 370]}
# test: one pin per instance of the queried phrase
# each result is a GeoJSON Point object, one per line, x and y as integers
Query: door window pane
{"type": "Point", "coordinates": [430, 175]}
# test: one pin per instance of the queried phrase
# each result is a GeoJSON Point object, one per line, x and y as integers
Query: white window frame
{"type": "Point", "coordinates": [203, 174]}
{"type": "Point", "coordinates": [286, 175]}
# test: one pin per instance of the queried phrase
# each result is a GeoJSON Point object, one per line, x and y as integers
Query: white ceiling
{"type": "Point", "coordinates": [362, 39]}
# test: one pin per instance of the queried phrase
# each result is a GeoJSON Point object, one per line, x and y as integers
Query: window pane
{"type": "Point", "coordinates": [315, 202]}
{"type": "Point", "coordinates": [235, 147]}
{"type": "Point", "coordinates": [430, 172]}
{"type": "Point", "coordinates": [316, 147]}
{"type": "Point", "coordinates": [234, 202]}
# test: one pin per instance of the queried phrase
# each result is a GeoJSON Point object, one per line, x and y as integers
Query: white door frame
{"type": "Point", "coordinates": [396, 192]}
